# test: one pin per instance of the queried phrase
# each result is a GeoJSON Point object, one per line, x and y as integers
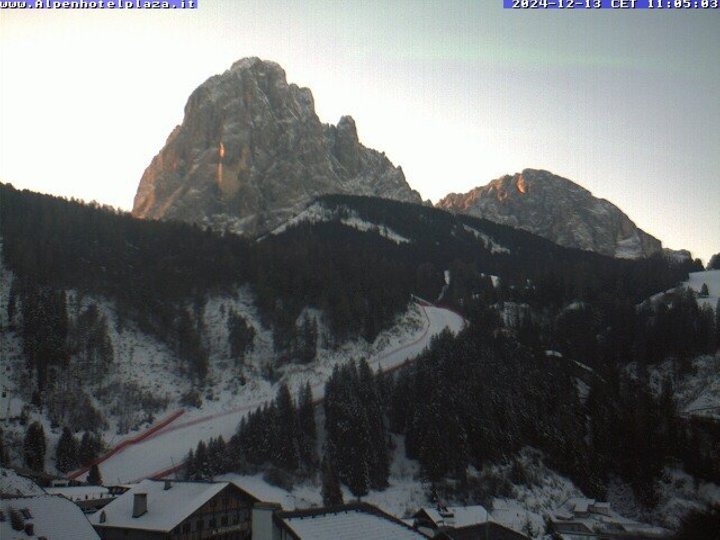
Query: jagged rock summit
{"type": "Point", "coordinates": [251, 152]}
{"type": "Point", "coordinates": [557, 209]}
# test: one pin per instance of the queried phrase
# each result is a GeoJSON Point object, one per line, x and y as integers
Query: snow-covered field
{"type": "Point", "coordinates": [167, 447]}
{"type": "Point", "coordinates": [711, 278]}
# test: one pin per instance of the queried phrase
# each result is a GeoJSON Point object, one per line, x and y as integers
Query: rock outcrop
{"type": "Point", "coordinates": [557, 209]}
{"type": "Point", "coordinates": [251, 152]}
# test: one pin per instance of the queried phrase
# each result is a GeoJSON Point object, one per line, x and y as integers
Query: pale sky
{"type": "Point", "coordinates": [625, 103]}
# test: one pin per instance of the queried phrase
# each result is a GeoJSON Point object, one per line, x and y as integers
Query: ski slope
{"type": "Point", "coordinates": [162, 449]}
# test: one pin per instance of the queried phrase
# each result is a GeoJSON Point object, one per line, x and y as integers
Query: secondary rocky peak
{"type": "Point", "coordinates": [251, 152]}
{"type": "Point", "coordinates": [558, 209]}
{"type": "Point", "coordinates": [347, 145]}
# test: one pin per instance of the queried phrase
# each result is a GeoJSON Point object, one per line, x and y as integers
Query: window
{"type": "Point", "coordinates": [213, 523]}
{"type": "Point", "coordinates": [224, 521]}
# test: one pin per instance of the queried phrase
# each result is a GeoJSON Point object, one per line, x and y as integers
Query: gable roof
{"type": "Point", "coordinates": [166, 508]}
{"type": "Point", "coordinates": [53, 517]}
{"type": "Point", "coordinates": [357, 521]}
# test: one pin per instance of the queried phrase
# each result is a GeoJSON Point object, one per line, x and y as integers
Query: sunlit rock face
{"type": "Point", "coordinates": [557, 209]}
{"type": "Point", "coordinates": [251, 152]}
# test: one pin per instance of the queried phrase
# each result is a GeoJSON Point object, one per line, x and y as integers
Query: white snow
{"type": "Point", "coordinates": [261, 490]}
{"type": "Point", "coordinates": [349, 524]}
{"type": "Point", "coordinates": [680, 493]}
{"type": "Point", "coordinates": [317, 213]}
{"type": "Point", "coordinates": [456, 516]}
{"type": "Point", "coordinates": [711, 278]}
{"type": "Point", "coordinates": [696, 392]}
{"type": "Point", "coordinates": [14, 485]}
{"type": "Point", "coordinates": [80, 493]}
{"type": "Point", "coordinates": [489, 242]}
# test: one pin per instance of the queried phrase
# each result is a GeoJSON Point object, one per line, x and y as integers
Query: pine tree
{"type": "Point", "coordinates": [66, 453]}
{"type": "Point", "coordinates": [307, 427]}
{"type": "Point", "coordinates": [190, 471]}
{"type": "Point", "coordinates": [202, 466]}
{"type": "Point", "coordinates": [286, 448]}
{"type": "Point", "coordinates": [376, 437]}
{"type": "Point", "coordinates": [34, 446]}
{"type": "Point", "coordinates": [90, 447]}
{"type": "Point", "coordinates": [704, 292]}
{"type": "Point", "coordinates": [4, 457]}
{"type": "Point", "coordinates": [94, 478]}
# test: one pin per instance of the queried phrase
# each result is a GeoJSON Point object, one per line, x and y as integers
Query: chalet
{"type": "Point", "coordinates": [356, 521]}
{"type": "Point", "coordinates": [175, 510]}
{"type": "Point", "coordinates": [43, 516]}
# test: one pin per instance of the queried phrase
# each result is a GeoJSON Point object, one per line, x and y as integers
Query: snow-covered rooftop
{"type": "Point", "coordinates": [14, 485]}
{"type": "Point", "coordinates": [599, 516]}
{"type": "Point", "coordinates": [166, 508]}
{"type": "Point", "coordinates": [456, 516]}
{"type": "Point", "coordinates": [79, 493]}
{"type": "Point", "coordinates": [55, 518]}
{"type": "Point", "coordinates": [356, 522]}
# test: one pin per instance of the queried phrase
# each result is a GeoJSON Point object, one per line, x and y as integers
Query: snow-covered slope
{"type": "Point", "coordinates": [711, 278]}
{"type": "Point", "coordinates": [164, 449]}
{"type": "Point", "coordinates": [318, 213]}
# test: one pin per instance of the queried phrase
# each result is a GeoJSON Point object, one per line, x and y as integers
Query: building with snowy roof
{"type": "Point", "coordinates": [179, 510]}
{"type": "Point", "coordinates": [450, 516]}
{"type": "Point", "coordinates": [582, 519]}
{"type": "Point", "coordinates": [44, 516]}
{"type": "Point", "coordinates": [461, 522]}
{"type": "Point", "coordinates": [356, 521]}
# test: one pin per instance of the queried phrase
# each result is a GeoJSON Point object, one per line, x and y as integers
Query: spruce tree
{"type": "Point", "coordinates": [89, 448]}
{"type": "Point", "coordinates": [94, 478]}
{"type": "Point", "coordinates": [704, 292]}
{"type": "Point", "coordinates": [66, 453]}
{"type": "Point", "coordinates": [286, 448]}
{"type": "Point", "coordinates": [190, 472]}
{"type": "Point", "coordinates": [307, 427]}
{"type": "Point", "coordinates": [34, 446]}
{"type": "Point", "coordinates": [4, 457]}
{"type": "Point", "coordinates": [202, 466]}
{"type": "Point", "coordinates": [331, 490]}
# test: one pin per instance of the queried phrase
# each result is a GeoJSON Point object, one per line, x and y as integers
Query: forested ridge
{"type": "Point", "coordinates": [485, 394]}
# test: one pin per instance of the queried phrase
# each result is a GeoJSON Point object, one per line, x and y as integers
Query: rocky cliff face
{"type": "Point", "coordinates": [251, 152]}
{"type": "Point", "coordinates": [557, 209]}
